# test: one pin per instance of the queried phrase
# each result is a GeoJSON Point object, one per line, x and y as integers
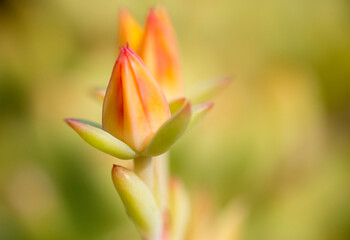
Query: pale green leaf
{"type": "Point", "coordinates": [198, 112]}
{"type": "Point", "coordinates": [208, 89]}
{"type": "Point", "coordinates": [169, 132]}
{"type": "Point", "coordinates": [94, 135]}
{"type": "Point", "coordinates": [138, 201]}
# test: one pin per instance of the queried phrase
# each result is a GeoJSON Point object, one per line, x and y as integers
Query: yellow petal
{"type": "Point", "coordinates": [130, 32]}
{"type": "Point", "coordinates": [160, 53]}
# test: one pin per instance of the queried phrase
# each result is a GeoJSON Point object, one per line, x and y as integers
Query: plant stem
{"type": "Point", "coordinates": [143, 167]}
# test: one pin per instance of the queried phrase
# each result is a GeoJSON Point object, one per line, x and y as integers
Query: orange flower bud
{"type": "Point", "coordinates": [160, 53]}
{"type": "Point", "coordinates": [134, 106]}
{"type": "Point", "coordinates": [130, 32]}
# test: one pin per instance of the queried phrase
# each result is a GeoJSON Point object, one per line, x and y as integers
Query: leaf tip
{"type": "Point", "coordinates": [208, 105]}
{"type": "Point", "coordinates": [98, 93]}
{"type": "Point", "coordinates": [117, 169]}
{"type": "Point", "coordinates": [74, 123]}
{"type": "Point", "coordinates": [71, 121]}
{"type": "Point", "coordinates": [187, 107]}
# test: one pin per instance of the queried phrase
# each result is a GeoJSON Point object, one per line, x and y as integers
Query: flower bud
{"type": "Point", "coordinates": [134, 106]}
{"type": "Point", "coordinates": [130, 32]}
{"type": "Point", "coordinates": [160, 53]}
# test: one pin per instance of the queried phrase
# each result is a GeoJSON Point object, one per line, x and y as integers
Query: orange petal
{"type": "Point", "coordinates": [160, 53]}
{"type": "Point", "coordinates": [155, 106]}
{"type": "Point", "coordinates": [113, 111]}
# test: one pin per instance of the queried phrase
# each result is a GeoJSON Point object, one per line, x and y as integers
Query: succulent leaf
{"type": "Point", "coordinates": [93, 134]}
{"type": "Point", "coordinates": [169, 132]}
{"type": "Point", "coordinates": [208, 89]}
{"type": "Point", "coordinates": [198, 112]}
{"type": "Point", "coordinates": [138, 201]}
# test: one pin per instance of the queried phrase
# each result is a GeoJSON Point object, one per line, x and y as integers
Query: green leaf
{"type": "Point", "coordinates": [209, 89]}
{"type": "Point", "coordinates": [169, 132]}
{"type": "Point", "coordinates": [94, 135]}
{"type": "Point", "coordinates": [139, 202]}
{"type": "Point", "coordinates": [198, 112]}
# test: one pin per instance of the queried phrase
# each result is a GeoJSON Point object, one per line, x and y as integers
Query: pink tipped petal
{"type": "Point", "coordinates": [93, 134]}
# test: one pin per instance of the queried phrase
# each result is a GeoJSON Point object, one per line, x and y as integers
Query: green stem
{"type": "Point", "coordinates": [143, 167]}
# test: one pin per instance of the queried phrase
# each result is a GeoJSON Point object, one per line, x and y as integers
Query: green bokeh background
{"type": "Point", "coordinates": [278, 137]}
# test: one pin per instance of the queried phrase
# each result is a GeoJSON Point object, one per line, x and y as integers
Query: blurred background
{"type": "Point", "coordinates": [278, 137]}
